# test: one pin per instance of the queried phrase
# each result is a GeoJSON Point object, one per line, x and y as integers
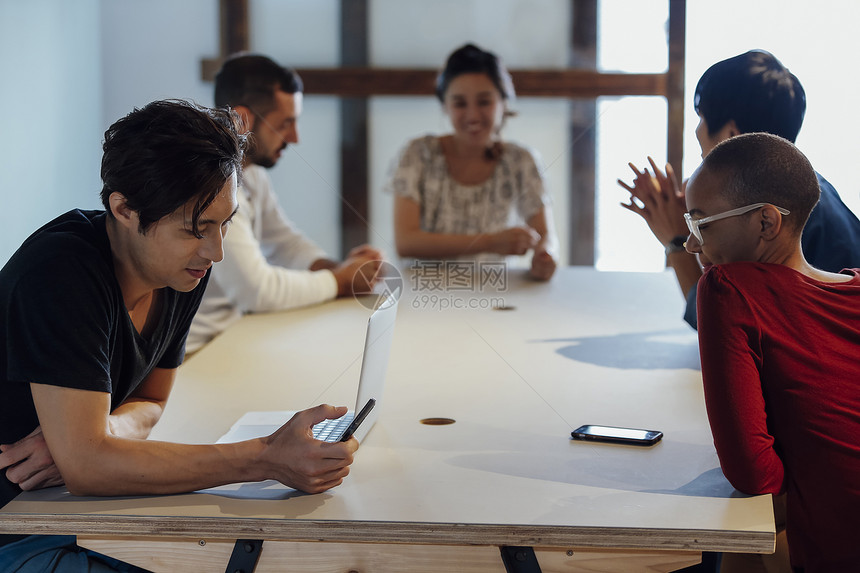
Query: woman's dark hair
{"type": "Point", "coordinates": [756, 91]}
{"type": "Point", "coordinates": [470, 59]}
{"type": "Point", "coordinates": [168, 153]}
{"type": "Point", "coordinates": [251, 80]}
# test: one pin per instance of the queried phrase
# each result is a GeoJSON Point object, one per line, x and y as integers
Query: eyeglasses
{"type": "Point", "coordinates": [693, 224]}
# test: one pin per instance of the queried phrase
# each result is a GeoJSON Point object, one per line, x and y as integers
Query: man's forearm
{"type": "Point", "coordinates": [140, 467]}
{"type": "Point", "coordinates": [323, 265]}
{"type": "Point", "coordinates": [423, 244]}
{"type": "Point", "coordinates": [94, 460]}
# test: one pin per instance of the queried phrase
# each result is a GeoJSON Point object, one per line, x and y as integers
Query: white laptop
{"type": "Point", "coordinates": [374, 364]}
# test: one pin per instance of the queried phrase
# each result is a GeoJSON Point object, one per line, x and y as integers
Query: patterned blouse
{"type": "Point", "coordinates": [511, 196]}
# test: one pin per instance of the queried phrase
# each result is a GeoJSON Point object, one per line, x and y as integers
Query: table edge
{"type": "Point", "coordinates": [413, 533]}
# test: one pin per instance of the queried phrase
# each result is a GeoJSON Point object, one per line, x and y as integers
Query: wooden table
{"type": "Point", "coordinates": [588, 347]}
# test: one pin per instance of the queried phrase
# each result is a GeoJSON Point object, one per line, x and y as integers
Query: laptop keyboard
{"type": "Point", "coordinates": [331, 430]}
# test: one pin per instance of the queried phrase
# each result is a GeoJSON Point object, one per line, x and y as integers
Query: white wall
{"type": "Point", "coordinates": [306, 33]}
{"type": "Point", "coordinates": [818, 42]}
{"type": "Point", "coordinates": [152, 50]}
{"type": "Point", "coordinates": [50, 151]}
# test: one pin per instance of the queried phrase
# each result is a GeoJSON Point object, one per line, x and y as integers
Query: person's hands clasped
{"type": "Point", "coordinates": [359, 272]}
{"type": "Point", "coordinates": [514, 240]}
{"type": "Point", "coordinates": [298, 460]}
{"type": "Point", "coordinates": [365, 251]}
{"type": "Point", "coordinates": [28, 462]}
{"type": "Point", "coordinates": [663, 202]}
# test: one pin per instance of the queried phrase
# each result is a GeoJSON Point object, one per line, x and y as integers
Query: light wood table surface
{"type": "Point", "coordinates": [586, 348]}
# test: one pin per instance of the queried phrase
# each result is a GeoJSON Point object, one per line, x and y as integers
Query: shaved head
{"type": "Point", "coordinates": [763, 168]}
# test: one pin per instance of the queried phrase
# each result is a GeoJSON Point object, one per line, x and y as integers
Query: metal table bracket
{"type": "Point", "coordinates": [519, 559]}
{"type": "Point", "coordinates": [246, 552]}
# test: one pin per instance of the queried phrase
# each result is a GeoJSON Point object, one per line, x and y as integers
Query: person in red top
{"type": "Point", "coordinates": [780, 346]}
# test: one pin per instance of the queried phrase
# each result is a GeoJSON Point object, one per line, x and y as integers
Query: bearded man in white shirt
{"type": "Point", "coordinates": [269, 264]}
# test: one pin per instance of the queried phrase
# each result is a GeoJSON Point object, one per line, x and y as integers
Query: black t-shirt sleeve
{"type": "Point", "coordinates": [59, 325]}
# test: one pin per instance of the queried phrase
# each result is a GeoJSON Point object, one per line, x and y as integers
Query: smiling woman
{"type": "Point", "coordinates": [468, 194]}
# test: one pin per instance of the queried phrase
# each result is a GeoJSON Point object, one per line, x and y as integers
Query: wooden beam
{"type": "Point", "coordinates": [234, 26]}
{"type": "Point", "coordinates": [583, 140]}
{"type": "Point", "coordinates": [354, 172]}
{"type": "Point", "coordinates": [234, 34]}
{"type": "Point", "coordinates": [562, 83]}
{"type": "Point", "coordinates": [675, 84]}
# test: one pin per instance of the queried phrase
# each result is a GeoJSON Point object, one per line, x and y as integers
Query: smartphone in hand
{"type": "Point", "coordinates": [356, 422]}
{"type": "Point", "coordinates": [616, 435]}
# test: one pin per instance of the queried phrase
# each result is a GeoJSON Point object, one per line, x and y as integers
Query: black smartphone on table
{"type": "Point", "coordinates": [615, 435]}
{"type": "Point", "coordinates": [356, 422]}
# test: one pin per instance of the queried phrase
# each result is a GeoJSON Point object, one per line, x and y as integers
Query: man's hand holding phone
{"type": "Point", "coordinates": [356, 422]}
{"type": "Point", "coordinates": [292, 456]}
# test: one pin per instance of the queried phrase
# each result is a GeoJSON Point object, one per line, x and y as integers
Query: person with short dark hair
{"type": "Point", "coordinates": [95, 308]}
{"type": "Point", "coordinates": [751, 92]}
{"type": "Point", "coordinates": [269, 265]}
{"type": "Point", "coordinates": [469, 194]}
{"type": "Point", "coordinates": [748, 93]}
{"type": "Point", "coordinates": [779, 342]}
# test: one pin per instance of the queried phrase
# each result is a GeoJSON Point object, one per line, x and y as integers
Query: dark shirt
{"type": "Point", "coordinates": [65, 323]}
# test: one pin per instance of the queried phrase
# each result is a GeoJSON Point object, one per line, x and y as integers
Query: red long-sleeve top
{"type": "Point", "coordinates": [781, 367]}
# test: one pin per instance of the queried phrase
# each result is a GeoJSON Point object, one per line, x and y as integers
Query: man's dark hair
{"type": "Point", "coordinates": [168, 153]}
{"type": "Point", "coordinates": [251, 80]}
{"type": "Point", "coordinates": [470, 59]}
{"type": "Point", "coordinates": [764, 168]}
{"type": "Point", "coordinates": [756, 91]}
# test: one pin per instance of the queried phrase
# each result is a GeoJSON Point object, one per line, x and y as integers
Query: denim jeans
{"type": "Point", "coordinates": [57, 554]}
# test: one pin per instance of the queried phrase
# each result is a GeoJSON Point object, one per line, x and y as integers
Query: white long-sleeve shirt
{"type": "Point", "coordinates": [265, 264]}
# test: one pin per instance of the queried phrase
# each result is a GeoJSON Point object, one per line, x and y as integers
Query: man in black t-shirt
{"type": "Point", "coordinates": [95, 307]}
